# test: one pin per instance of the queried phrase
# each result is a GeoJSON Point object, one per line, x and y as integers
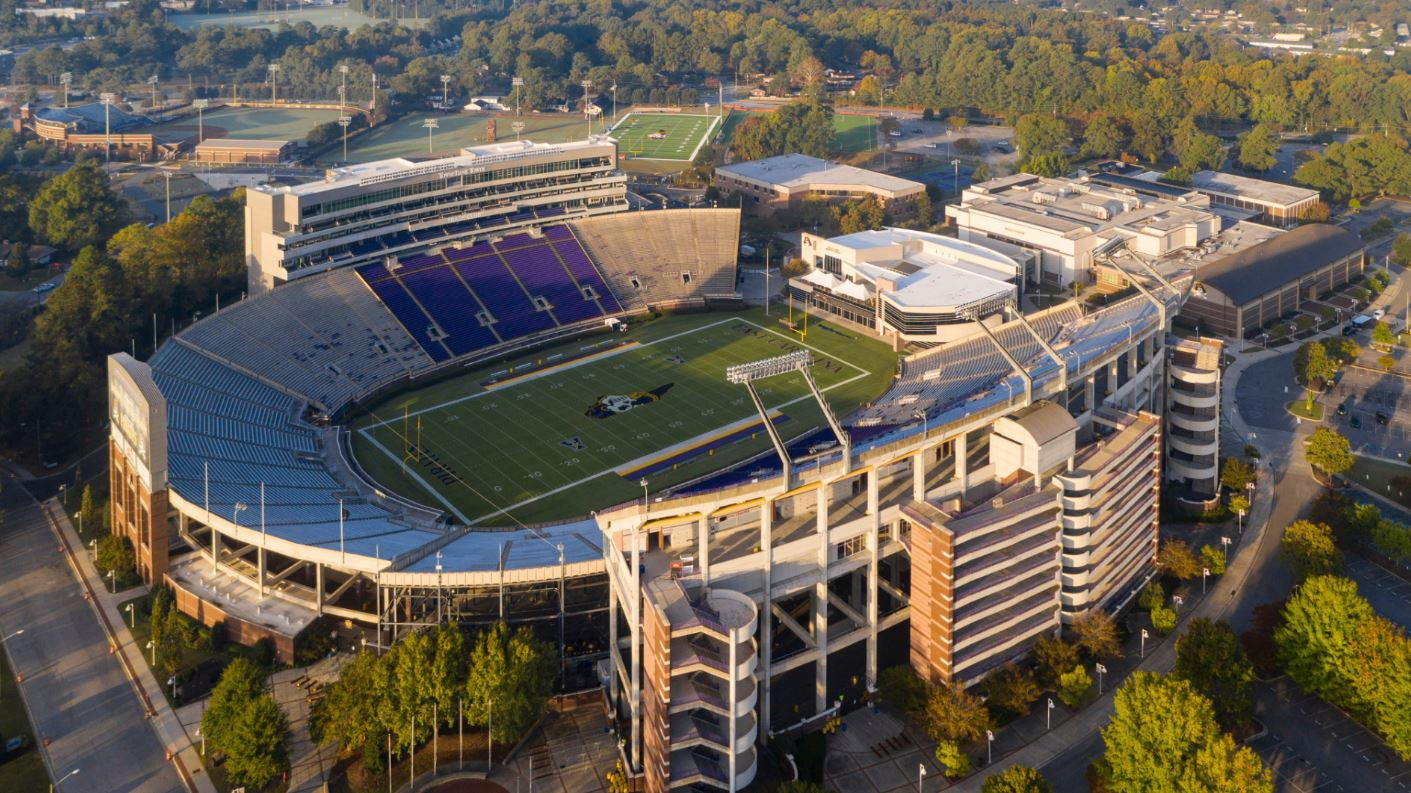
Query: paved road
{"type": "Point", "coordinates": [75, 691]}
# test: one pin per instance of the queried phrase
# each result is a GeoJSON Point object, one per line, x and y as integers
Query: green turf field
{"type": "Point", "coordinates": [530, 447]}
{"type": "Point", "coordinates": [681, 135]}
{"type": "Point", "coordinates": [259, 123]}
{"type": "Point", "coordinates": [853, 134]}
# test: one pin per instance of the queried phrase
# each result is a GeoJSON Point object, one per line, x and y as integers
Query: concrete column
{"type": "Point", "coordinates": [820, 604]}
{"type": "Point", "coordinates": [703, 547]}
{"type": "Point", "coordinates": [318, 587]}
{"type": "Point", "coordinates": [918, 476]}
{"type": "Point", "coordinates": [962, 462]}
{"type": "Point", "coordinates": [873, 547]}
{"type": "Point", "coordinates": [635, 622]}
{"type": "Point", "coordinates": [1090, 393]}
{"type": "Point", "coordinates": [734, 639]}
{"type": "Point", "coordinates": [766, 613]}
{"type": "Point", "coordinates": [261, 550]}
{"type": "Point", "coordinates": [215, 548]}
{"type": "Point", "coordinates": [615, 659]}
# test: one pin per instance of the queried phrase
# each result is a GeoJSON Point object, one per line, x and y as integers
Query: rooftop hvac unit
{"type": "Point", "coordinates": [1099, 211]}
{"type": "Point", "coordinates": [1040, 197]}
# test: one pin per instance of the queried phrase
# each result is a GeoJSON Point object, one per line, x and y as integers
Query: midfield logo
{"type": "Point", "coordinates": [605, 407]}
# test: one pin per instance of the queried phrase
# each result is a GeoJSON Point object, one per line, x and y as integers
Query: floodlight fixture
{"type": "Point", "coordinates": [769, 367]}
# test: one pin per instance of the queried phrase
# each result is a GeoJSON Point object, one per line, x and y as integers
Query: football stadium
{"type": "Point", "coordinates": [663, 136]}
{"type": "Point", "coordinates": [467, 393]}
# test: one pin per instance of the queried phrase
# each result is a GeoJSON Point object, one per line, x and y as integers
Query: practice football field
{"type": "Point", "coordinates": [562, 431]}
{"type": "Point", "coordinates": [662, 136]}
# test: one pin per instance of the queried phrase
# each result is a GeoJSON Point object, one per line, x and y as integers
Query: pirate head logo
{"type": "Point", "coordinates": [605, 407]}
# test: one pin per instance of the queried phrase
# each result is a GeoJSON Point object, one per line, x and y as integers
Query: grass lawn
{"type": "Point", "coordinates": [405, 137]}
{"type": "Point", "coordinates": [259, 123]}
{"type": "Point", "coordinates": [853, 134]}
{"type": "Point", "coordinates": [24, 772]}
{"type": "Point", "coordinates": [662, 136]}
{"type": "Point", "coordinates": [1300, 408]}
{"type": "Point", "coordinates": [1378, 475]}
{"type": "Point", "coordinates": [532, 446]}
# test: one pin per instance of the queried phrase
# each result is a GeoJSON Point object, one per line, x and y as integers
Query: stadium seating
{"type": "Point", "coordinates": [666, 256]}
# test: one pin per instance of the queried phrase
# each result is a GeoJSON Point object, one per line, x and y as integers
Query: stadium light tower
{"type": "Point", "coordinates": [274, 83]}
{"type": "Point", "coordinates": [66, 79]}
{"type": "Point", "coordinates": [152, 81]}
{"type": "Point", "coordinates": [518, 127]}
{"type": "Point", "coordinates": [344, 121]}
{"type": "Point", "coordinates": [800, 361]}
{"type": "Point", "coordinates": [107, 100]}
{"type": "Point", "coordinates": [445, 91]}
{"type": "Point", "coordinates": [431, 126]}
{"type": "Point", "coordinates": [587, 84]}
{"type": "Point", "coordinates": [518, 83]}
{"type": "Point", "coordinates": [200, 105]}
{"type": "Point", "coordinates": [614, 104]}
{"type": "Point", "coordinates": [343, 88]}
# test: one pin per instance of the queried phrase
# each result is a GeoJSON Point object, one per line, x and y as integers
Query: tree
{"type": "Point", "coordinates": [899, 686]}
{"type": "Point", "coordinates": [1239, 504]}
{"type": "Point", "coordinates": [114, 553]}
{"type": "Point", "coordinates": [1153, 595]}
{"type": "Point", "coordinates": [1096, 633]}
{"type": "Point", "coordinates": [1328, 452]}
{"type": "Point", "coordinates": [514, 672]}
{"type": "Point", "coordinates": [85, 505]}
{"type": "Point", "coordinates": [1312, 366]}
{"type": "Point", "coordinates": [1011, 689]}
{"type": "Point", "coordinates": [1103, 137]}
{"type": "Point", "coordinates": [1212, 559]}
{"type": "Point", "coordinates": [1204, 152]}
{"type": "Point", "coordinates": [1210, 657]}
{"type": "Point", "coordinates": [240, 683]}
{"type": "Point", "coordinates": [1312, 645]}
{"type": "Point", "coordinates": [17, 264]}
{"type": "Point", "coordinates": [346, 714]}
{"type": "Point", "coordinates": [1163, 619]}
{"type": "Point", "coordinates": [1382, 336]}
{"type": "Point", "coordinates": [1163, 736]}
{"type": "Point", "coordinates": [1016, 779]}
{"type": "Point", "coordinates": [1341, 350]}
{"type": "Point", "coordinates": [76, 208]}
{"type": "Point", "coordinates": [1051, 164]}
{"type": "Point", "coordinates": [952, 758]}
{"type": "Point", "coordinates": [1386, 361]}
{"type": "Point", "coordinates": [448, 672]}
{"type": "Point", "coordinates": [1236, 474]}
{"type": "Point", "coordinates": [1054, 657]}
{"type": "Point", "coordinates": [258, 751]}
{"type": "Point", "coordinates": [1175, 559]}
{"type": "Point", "coordinates": [1040, 133]}
{"type": "Point", "coordinates": [954, 717]}
{"type": "Point", "coordinates": [1379, 658]}
{"type": "Point", "coordinates": [1401, 249]}
{"type": "Point", "coordinates": [176, 637]}
{"type": "Point", "coordinates": [861, 215]}
{"type": "Point", "coordinates": [1073, 686]}
{"type": "Point", "coordinates": [1309, 549]}
{"type": "Point", "coordinates": [1257, 148]}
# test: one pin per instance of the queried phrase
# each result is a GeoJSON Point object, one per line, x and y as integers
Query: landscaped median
{"type": "Point", "coordinates": [1305, 409]}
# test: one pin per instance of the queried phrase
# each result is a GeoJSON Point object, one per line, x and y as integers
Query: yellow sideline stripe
{"type": "Point", "coordinates": [543, 370]}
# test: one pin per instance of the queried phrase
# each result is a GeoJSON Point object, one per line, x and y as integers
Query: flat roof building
{"type": "Point", "coordinates": [910, 286]}
{"type": "Point", "coordinates": [786, 180]}
{"type": "Point", "coordinates": [382, 210]}
{"type": "Point", "coordinates": [1241, 293]}
{"type": "Point", "coordinates": [239, 151]}
{"type": "Point", "coordinates": [1066, 222]}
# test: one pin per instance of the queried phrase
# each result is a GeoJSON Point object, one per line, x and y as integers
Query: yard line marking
{"type": "Point", "coordinates": [417, 476]}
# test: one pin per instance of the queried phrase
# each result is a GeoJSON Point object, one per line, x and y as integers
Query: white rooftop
{"type": "Point", "coordinates": [800, 171]}
{"type": "Point", "coordinates": [1251, 189]}
{"type": "Point", "coordinates": [928, 270]}
{"type": "Point", "coordinates": [471, 157]}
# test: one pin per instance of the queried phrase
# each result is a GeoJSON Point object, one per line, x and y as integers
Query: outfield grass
{"type": "Point", "coordinates": [258, 123]}
{"type": "Point", "coordinates": [683, 135]}
{"type": "Point", "coordinates": [405, 137]}
{"type": "Point", "coordinates": [853, 134]}
{"type": "Point", "coordinates": [530, 447]}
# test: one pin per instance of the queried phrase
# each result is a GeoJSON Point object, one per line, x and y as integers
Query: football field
{"type": "Point", "coordinates": [556, 433]}
{"type": "Point", "coordinates": [663, 136]}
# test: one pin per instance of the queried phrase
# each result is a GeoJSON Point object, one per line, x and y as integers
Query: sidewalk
{"type": "Point", "coordinates": [170, 732]}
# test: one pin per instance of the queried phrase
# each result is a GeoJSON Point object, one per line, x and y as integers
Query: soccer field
{"type": "Point", "coordinates": [568, 430]}
{"type": "Point", "coordinates": [662, 136]}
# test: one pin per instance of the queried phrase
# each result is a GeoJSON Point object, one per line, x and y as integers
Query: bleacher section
{"type": "Point", "coordinates": [664, 257]}
{"type": "Point", "coordinates": [466, 298]}
{"type": "Point", "coordinates": [324, 338]}
{"type": "Point", "coordinates": [228, 434]}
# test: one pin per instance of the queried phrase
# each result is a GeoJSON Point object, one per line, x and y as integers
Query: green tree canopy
{"type": "Point", "coordinates": [1051, 164]}
{"type": "Point", "coordinates": [257, 751]}
{"type": "Point", "coordinates": [1235, 474]}
{"type": "Point", "coordinates": [76, 208]}
{"type": "Point", "coordinates": [1209, 655]}
{"type": "Point", "coordinates": [1103, 137]}
{"type": "Point", "coordinates": [1095, 632]}
{"type": "Point", "coordinates": [240, 683]}
{"type": "Point", "coordinates": [1312, 644]}
{"type": "Point", "coordinates": [1074, 685]}
{"type": "Point", "coordinates": [1054, 657]}
{"type": "Point", "coordinates": [513, 673]}
{"type": "Point", "coordinates": [1328, 451]}
{"type": "Point", "coordinates": [1163, 736]}
{"type": "Point", "coordinates": [1309, 549]}
{"type": "Point", "coordinates": [1257, 148]}
{"type": "Point", "coordinates": [1016, 779]}
{"type": "Point", "coordinates": [17, 263]}
{"type": "Point", "coordinates": [1401, 249]}
{"type": "Point", "coordinates": [1040, 133]}
{"type": "Point", "coordinates": [1011, 689]}
{"type": "Point", "coordinates": [346, 714]}
{"type": "Point", "coordinates": [1379, 660]}
{"type": "Point", "coordinates": [1312, 366]}
{"type": "Point", "coordinates": [1174, 558]}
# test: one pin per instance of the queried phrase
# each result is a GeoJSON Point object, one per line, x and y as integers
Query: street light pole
{"type": "Point", "coordinates": [344, 121]}
{"type": "Point", "coordinates": [343, 89]}
{"type": "Point", "coordinates": [131, 617]}
{"type": "Point", "coordinates": [167, 176]}
{"type": "Point", "coordinates": [274, 83]}
{"type": "Point", "coordinates": [920, 775]}
{"type": "Point", "coordinates": [989, 747]}
{"type": "Point", "coordinates": [1225, 546]}
{"type": "Point", "coordinates": [1144, 638]}
{"type": "Point", "coordinates": [1101, 670]}
{"type": "Point", "coordinates": [107, 100]}
{"type": "Point", "coordinates": [445, 91]}
{"type": "Point", "coordinates": [200, 105]}
{"type": "Point", "coordinates": [56, 785]}
{"type": "Point", "coordinates": [66, 79]}
{"type": "Point", "coordinates": [1048, 715]}
{"type": "Point", "coordinates": [1204, 574]}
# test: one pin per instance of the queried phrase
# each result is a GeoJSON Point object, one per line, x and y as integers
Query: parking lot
{"type": "Point", "coordinates": [1370, 409]}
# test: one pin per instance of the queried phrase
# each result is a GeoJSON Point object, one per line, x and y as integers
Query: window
{"type": "Point", "coordinates": [852, 547]}
{"type": "Point", "coordinates": [589, 293]}
{"type": "Point", "coordinates": [541, 304]}
{"type": "Point", "coordinates": [634, 281]}
{"type": "Point", "coordinates": [685, 277]}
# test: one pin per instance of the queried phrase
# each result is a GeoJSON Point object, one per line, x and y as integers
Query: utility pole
{"type": "Point", "coordinates": [344, 121]}
{"type": "Point", "coordinates": [431, 126]}
{"type": "Point", "coordinates": [274, 83]}
{"type": "Point", "coordinates": [107, 99]}
{"type": "Point", "coordinates": [200, 105]}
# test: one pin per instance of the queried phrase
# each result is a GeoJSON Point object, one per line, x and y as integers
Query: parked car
{"type": "Point", "coordinates": [1342, 409]}
{"type": "Point", "coordinates": [1379, 313]}
{"type": "Point", "coordinates": [930, 145]}
{"type": "Point", "coordinates": [1356, 422]}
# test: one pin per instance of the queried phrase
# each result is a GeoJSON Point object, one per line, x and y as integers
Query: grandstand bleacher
{"type": "Point", "coordinates": [664, 257]}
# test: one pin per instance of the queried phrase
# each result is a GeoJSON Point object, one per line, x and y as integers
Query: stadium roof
{"type": "Point", "coordinates": [802, 172]}
{"type": "Point", "coordinates": [89, 117]}
{"type": "Point", "coordinates": [1263, 268]}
